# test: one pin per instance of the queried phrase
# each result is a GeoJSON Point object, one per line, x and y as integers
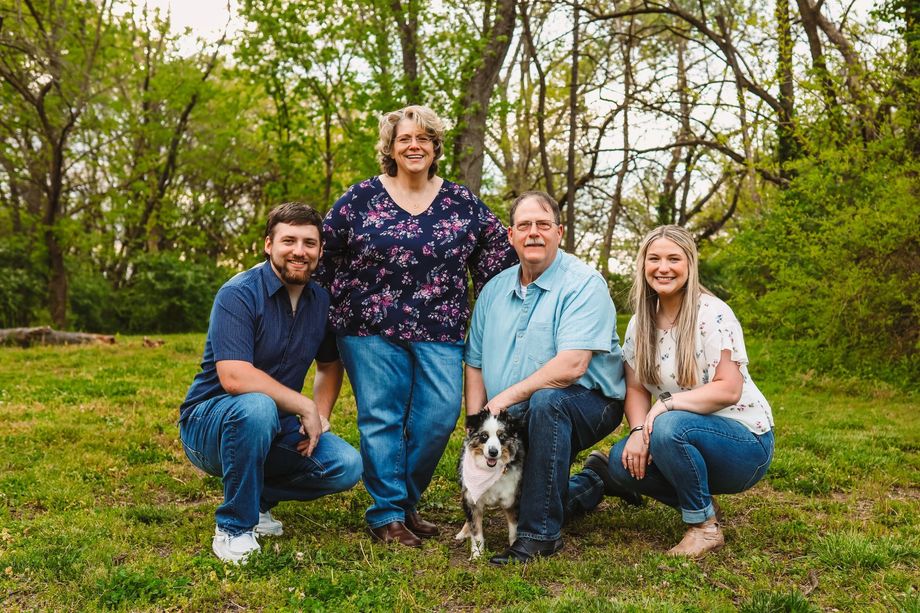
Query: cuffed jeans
{"type": "Point", "coordinates": [247, 442]}
{"type": "Point", "coordinates": [693, 457]}
{"type": "Point", "coordinates": [408, 398]}
{"type": "Point", "coordinates": [560, 424]}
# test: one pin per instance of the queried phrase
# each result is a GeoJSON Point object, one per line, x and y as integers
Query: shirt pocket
{"type": "Point", "coordinates": [541, 344]}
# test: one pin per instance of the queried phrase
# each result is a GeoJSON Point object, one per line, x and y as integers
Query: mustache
{"type": "Point", "coordinates": [535, 242]}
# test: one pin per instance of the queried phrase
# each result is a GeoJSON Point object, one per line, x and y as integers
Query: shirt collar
{"type": "Point", "coordinates": [270, 279]}
{"type": "Point", "coordinates": [547, 279]}
{"type": "Point", "coordinates": [273, 284]}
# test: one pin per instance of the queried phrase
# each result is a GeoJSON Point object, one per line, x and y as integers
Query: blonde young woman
{"type": "Point", "coordinates": [709, 429]}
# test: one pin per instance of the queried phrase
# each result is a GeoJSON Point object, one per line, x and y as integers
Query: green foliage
{"type": "Point", "coordinates": [165, 293]}
{"type": "Point", "coordinates": [168, 294]}
{"type": "Point", "coordinates": [22, 288]}
{"type": "Point", "coordinates": [832, 267]}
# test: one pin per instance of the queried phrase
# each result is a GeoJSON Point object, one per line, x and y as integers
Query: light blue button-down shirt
{"type": "Point", "coordinates": [567, 307]}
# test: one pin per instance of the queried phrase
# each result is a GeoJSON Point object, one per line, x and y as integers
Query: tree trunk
{"type": "Point", "coordinates": [29, 337]}
{"type": "Point", "coordinates": [573, 124]}
{"type": "Point", "coordinates": [785, 132]}
{"type": "Point", "coordinates": [469, 144]}
{"type": "Point", "coordinates": [407, 24]}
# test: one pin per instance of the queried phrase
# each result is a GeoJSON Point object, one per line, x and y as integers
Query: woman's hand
{"type": "Point", "coordinates": [635, 455]}
{"type": "Point", "coordinates": [657, 409]}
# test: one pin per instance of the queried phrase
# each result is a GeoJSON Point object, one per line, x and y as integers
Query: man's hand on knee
{"type": "Point", "coordinates": [311, 427]}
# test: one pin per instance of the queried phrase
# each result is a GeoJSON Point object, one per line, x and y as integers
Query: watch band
{"type": "Point", "coordinates": [667, 400]}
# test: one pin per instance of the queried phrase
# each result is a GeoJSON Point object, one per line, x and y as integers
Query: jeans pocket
{"type": "Point", "coordinates": [200, 460]}
{"type": "Point", "coordinates": [761, 470]}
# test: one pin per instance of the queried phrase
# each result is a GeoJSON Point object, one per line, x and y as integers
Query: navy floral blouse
{"type": "Point", "coordinates": [403, 276]}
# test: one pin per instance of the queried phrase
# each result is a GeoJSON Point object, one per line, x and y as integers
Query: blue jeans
{"type": "Point", "coordinates": [247, 442]}
{"type": "Point", "coordinates": [695, 456]}
{"type": "Point", "coordinates": [408, 397]}
{"type": "Point", "coordinates": [560, 424]}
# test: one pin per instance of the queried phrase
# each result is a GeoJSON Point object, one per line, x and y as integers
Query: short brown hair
{"type": "Point", "coordinates": [295, 214]}
{"type": "Point", "coordinates": [424, 118]}
{"type": "Point", "coordinates": [545, 200]}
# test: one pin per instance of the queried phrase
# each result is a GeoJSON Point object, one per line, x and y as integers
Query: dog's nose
{"type": "Point", "coordinates": [493, 452]}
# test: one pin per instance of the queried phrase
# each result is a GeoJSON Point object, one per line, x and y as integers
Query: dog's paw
{"type": "Point", "coordinates": [464, 532]}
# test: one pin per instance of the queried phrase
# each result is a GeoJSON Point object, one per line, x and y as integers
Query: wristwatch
{"type": "Point", "coordinates": [665, 398]}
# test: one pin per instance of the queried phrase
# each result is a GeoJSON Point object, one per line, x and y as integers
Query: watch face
{"type": "Point", "coordinates": [664, 396]}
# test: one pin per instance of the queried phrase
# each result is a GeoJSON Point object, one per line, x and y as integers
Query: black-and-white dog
{"type": "Point", "coordinates": [490, 470]}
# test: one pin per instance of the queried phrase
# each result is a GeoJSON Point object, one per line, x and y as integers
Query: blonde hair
{"type": "Point", "coordinates": [425, 119]}
{"type": "Point", "coordinates": [644, 302]}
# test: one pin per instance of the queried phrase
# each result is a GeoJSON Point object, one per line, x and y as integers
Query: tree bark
{"type": "Point", "coordinates": [573, 126]}
{"type": "Point", "coordinates": [407, 24]}
{"type": "Point", "coordinates": [469, 144]}
{"type": "Point", "coordinates": [785, 130]}
{"type": "Point", "coordinates": [29, 337]}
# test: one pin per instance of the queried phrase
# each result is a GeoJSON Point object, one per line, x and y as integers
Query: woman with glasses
{"type": "Point", "coordinates": [398, 247]}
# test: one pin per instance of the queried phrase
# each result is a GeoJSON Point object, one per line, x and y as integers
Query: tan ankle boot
{"type": "Point", "coordinates": [700, 539]}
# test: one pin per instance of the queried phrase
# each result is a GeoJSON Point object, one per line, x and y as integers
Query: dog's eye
{"type": "Point", "coordinates": [483, 437]}
{"type": "Point", "coordinates": [503, 437]}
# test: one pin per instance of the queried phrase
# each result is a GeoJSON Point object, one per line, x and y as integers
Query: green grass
{"type": "Point", "coordinates": [99, 509]}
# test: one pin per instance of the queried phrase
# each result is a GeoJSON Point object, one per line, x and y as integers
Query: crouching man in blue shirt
{"type": "Point", "coordinates": [543, 344]}
{"type": "Point", "coordinates": [244, 418]}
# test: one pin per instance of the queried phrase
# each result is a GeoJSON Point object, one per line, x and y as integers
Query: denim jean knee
{"type": "Point", "coordinates": [702, 455]}
{"type": "Point", "coordinates": [230, 437]}
{"type": "Point", "coordinates": [561, 423]}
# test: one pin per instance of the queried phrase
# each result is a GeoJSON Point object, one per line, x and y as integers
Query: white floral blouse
{"type": "Point", "coordinates": [717, 329]}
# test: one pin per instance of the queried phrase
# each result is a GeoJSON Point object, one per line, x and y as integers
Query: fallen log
{"type": "Point", "coordinates": [44, 335]}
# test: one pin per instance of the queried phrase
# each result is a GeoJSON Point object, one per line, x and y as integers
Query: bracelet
{"type": "Point", "coordinates": [637, 429]}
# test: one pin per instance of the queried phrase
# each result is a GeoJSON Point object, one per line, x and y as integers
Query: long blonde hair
{"type": "Point", "coordinates": [644, 302]}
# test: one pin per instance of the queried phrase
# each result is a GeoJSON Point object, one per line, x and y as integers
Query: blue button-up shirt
{"type": "Point", "coordinates": [252, 321]}
{"type": "Point", "coordinates": [567, 307]}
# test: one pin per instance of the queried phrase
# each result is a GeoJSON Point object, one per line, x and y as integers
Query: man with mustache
{"type": "Point", "coordinates": [244, 418]}
{"type": "Point", "coordinates": [543, 344]}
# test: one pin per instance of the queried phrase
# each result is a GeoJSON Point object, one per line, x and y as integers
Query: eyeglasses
{"type": "Point", "coordinates": [543, 225]}
{"type": "Point", "coordinates": [421, 139]}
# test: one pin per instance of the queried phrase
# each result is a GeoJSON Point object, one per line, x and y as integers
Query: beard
{"type": "Point", "coordinates": [294, 277]}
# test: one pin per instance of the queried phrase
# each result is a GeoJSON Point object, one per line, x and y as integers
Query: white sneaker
{"type": "Point", "coordinates": [268, 525]}
{"type": "Point", "coordinates": [235, 549]}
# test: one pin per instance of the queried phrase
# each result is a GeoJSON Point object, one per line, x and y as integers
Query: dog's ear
{"type": "Point", "coordinates": [473, 422]}
{"type": "Point", "coordinates": [514, 422]}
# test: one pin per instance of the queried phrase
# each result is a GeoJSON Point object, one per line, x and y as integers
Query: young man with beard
{"type": "Point", "coordinates": [244, 418]}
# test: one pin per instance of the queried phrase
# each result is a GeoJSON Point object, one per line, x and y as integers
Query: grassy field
{"type": "Point", "coordinates": [99, 509]}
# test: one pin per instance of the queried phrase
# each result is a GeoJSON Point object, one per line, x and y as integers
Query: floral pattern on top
{"type": "Point", "coordinates": [717, 330]}
{"type": "Point", "coordinates": [404, 276]}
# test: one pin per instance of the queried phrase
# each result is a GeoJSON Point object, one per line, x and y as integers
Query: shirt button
{"type": "Point", "coordinates": [515, 360]}
{"type": "Point", "coordinates": [520, 335]}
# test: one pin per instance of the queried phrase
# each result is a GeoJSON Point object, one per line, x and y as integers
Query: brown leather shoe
{"type": "Point", "coordinates": [395, 531]}
{"type": "Point", "coordinates": [424, 529]}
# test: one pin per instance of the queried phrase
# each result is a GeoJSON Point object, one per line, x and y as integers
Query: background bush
{"type": "Point", "coordinates": [23, 290]}
{"type": "Point", "coordinates": [832, 267]}
{"type": "Point", "coordinates": [165, 293]}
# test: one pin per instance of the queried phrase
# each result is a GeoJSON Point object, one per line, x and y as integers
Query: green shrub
{"type": "Point", "coordinates": [832, 267]}
{"type": "Point", "coordinates": [170, 294]}
{"type": "Point", "coordinates": [164, 294]}
{"type": "Point", "coordinates": [22, 289]}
